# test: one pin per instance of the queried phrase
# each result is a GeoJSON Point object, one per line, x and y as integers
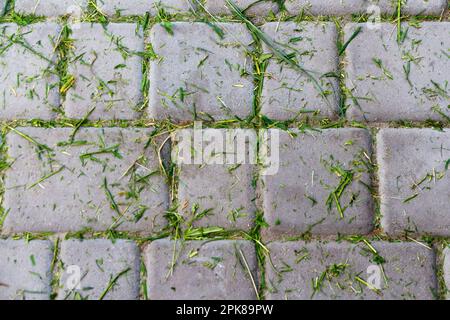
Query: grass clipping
{"type": "Point", "coordinates": [277, 51]}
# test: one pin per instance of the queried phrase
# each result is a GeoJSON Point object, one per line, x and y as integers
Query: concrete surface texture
{"type": "Point", "coordinates": [224, 149]}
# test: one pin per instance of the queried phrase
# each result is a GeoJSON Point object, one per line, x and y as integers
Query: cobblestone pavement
{"type": "Point", "coordinates": [100, 200]}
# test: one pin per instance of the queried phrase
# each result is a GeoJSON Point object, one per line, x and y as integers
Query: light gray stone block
{"type": "Point", "coordinates": [2, 7]}
{"type": "Point", "coordinates": [107, 66]}
{"type": "Point", "coordinates": [336, 7]}
{"type": "Point", "coordinates": [424, 7]}
{"type": "Point", "coordinates": [107, 270]}
{"type": "Point", "coordinates": [50, 8]}
{"type": "Point", "coordinates": [313, 167]}
{"type": "Point", "coordinates": [289, 93]}
{"type": "Point", "coordinates": [391, 81]}
{"type": "Point", "coordinates": [344, 271]}
{"type": "Point", "coordinates": [140, 7]}
{"type": "Point", "coordinates": [249, 7]}
{"type": "Point", "coordinates": [447, 270]}
{"type": "Point", "coordinates": [106, 180]}
{"type": "Point", "coordinates": [347, 7]}
{"type": "Point", "coordinates": [223, 191]}
{"type": "Point", "coordinates": [414, 181]}
{"type": "Point", "coordinates": [28, 80]}
{"type": "Point", "coordinates": [201, 72]}
{"type": "Point", "coordinates": [25, 269]}
{"type": "Point", "coordinates": [196, 270]}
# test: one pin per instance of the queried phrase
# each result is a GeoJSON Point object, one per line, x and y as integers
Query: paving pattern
{"type": "Point", "coordinates": [348, 100]}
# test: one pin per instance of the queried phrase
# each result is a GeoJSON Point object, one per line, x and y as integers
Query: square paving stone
{"type": "Point", "coordinates": [105, 179]}
{"type": "Point", "coordinates": [347, 7]}
{"type": "Point", "coordinates": [414, 181]}
{"type": "Point", "coordinates": [447, 270]}
{"type": "Point", "coordinates": [107, 270]}
{"type": "Point", "coordinates": [391, 81]}
{"type": "Point", "coordinates": [344, 271]}
{"type": "Point", "coordinates": [140, 7]}
{"type": "Point", "coordinates": [249, 7]}
{"type": "Point", "coordinates": [107, 67]}
{"type": "Point", "coordinates": [289, 93]}
{"type": "Point", "coordinates": [322, 185]}
{"type": "Point", "coordinates": [202, 72]}
{"type": "Point", "coordinates": [50, 8]}
{"type": "Point", "coordinates": [28, 80]}
{"type": "Point", "coordinates": [25, 269]}
{"type": "Point", "coordinates": [227, 201]}
{"type": "Point", "coordinates": [196, 270]}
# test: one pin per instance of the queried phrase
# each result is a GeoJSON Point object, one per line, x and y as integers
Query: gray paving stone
{"type": "Point", "coordinates": [350, 271]}
{"type": "Point", "coordinates": [139, 7]}
{"type": "Point", "coordinates": [393, 82]}
{"type": "Point", "coordinates": [250, 7]}
{"type": "Point", "coordinates": [230, 202]}
{"type": "Point", "coordinates": [50, 8]}
{"type": "Point", "coordinates": [28, 83]}
{"type": "Point", "coordinates": [199, 73]}
{"type": "Point", "coordinates": [314, 166]}
{"type": "Point", "coordinates": [347, 7]}
{"type": "Point", "coordinates": [424, 7]}
{"type": "Point", "coordinates": [289, 94]}
{"type": "Point", "coordinates": [334, 7]}
{"type": "Point", "coordinates": [414, 182]}
{"type": "Point", "coordinates": [2, 7]}
{"type": "Point", "coordinates": [101, 263]}
{"type": "Point", "coordinates": [25, 269]}
{"type": "Point", "coordinates": [447, 270]}
{"type": "Point", "coordinates": [201, 270]}
{"type": "Point", "coordinates": [107, 68]}
{"type": "Point", "coordinates": [105, 180]}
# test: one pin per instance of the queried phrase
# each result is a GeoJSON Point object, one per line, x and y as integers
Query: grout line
{"type": "Point", "coordinates": [56, 268]}
{"type": "Point", "coordinates": [143, 285]}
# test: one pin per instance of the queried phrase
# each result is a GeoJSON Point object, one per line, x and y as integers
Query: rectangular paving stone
{"type": "Point", "coordinates": [414, 181]}
{"type": "Point", "coordinates": [106, 179]}
{"type": "Point", "coordinates": [201, 73]}
{"type": "Point", "coordinates": [249, 7]}
{"type": "Point", "coordinates": [447, 270]}
{"type": "Point", "coordinates": [345, 271]}
{"type": "Point", "coordinates": [228, 200]}
{"type": "Point", "coordinates": [2, 7]}
{"type": "Point", "coordinates": [217, 270]}
{"type": "Point", "coordinates": [28, 80]}
{"type": "Point", "coordinates": [50, 8]}
{"type": "Point", "coordinates": [347, 7]}
{"type": "Point", "coordinates": [391, 81]}
{"type": "Point", "coordinates": [107, 67]}
{"type": "Point", "coordinates": [424, 7]}
{"type": "Point", "coordinates": [288, 93]}
{"type": "Point", "coordinates": [322, 184]}
{"type": "Point", "coordinates": [25, 269]}
{"type": "Point", "coordinates": [107, 270]}
{"type": "Point", "coordinates": [335, 7]}
{"type": "Point", "coordinates": [140, 7]}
